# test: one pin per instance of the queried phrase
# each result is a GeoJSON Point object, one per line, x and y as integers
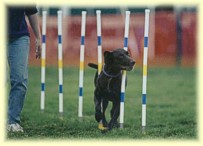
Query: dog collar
{"type": "Point", "coordinates": [110, 76]}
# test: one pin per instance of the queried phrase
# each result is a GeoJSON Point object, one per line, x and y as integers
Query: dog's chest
{"type": "Point", "coordinates": [111, 87]}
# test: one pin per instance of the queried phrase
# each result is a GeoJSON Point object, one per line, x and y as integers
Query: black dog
{"type": "Point", "coordinates": [108, 84]}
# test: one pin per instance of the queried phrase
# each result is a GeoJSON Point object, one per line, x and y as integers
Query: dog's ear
{"type": "Point", "coordinates": [107, 53]}
{"type": "Point", "coordinates": [108, 57]}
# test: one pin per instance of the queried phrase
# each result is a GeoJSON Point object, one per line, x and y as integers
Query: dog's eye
{"type": "Point", "coordinates": [121, 55]}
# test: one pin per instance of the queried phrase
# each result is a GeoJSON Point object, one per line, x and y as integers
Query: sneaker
{"type": "Point", "coordinates": [14, 128]}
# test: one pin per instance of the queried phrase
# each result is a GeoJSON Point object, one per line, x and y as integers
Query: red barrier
{"type": "Point", "coordinates": [165, 33]}
{"type": "Point", "coordinates": [189, 34]}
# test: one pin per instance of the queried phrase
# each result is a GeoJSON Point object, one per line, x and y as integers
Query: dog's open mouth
{"type": "Point", "coordinates": [127, 68]}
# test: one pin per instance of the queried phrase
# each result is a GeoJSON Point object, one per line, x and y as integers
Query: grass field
{"type": "Point", "coordinates": [171, 106]}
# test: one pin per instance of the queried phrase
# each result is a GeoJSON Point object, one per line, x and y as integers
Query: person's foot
{"type": "Point", "coordinates": [14, 128]}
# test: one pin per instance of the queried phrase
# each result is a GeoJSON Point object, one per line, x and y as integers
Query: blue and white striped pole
{"type": "Point", "coordinates": [81, 73]}
{"type": "Point", "coordinates": [144, 81]}
{"type": "Point", "coordinates": [43, 61]}
{"type": "Point", "coordinates": [122, 96]}
{"type": "Point", "coordinates": [60, 62]}
{"type": "Point", "coordinates": [99, 47]}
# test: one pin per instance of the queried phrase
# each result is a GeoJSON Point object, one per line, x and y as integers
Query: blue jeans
{"type": "Point", "coordinates": [17, 55]}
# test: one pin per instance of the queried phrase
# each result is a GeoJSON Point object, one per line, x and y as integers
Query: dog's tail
{"type": "Point", "coordinates": [92, 65]}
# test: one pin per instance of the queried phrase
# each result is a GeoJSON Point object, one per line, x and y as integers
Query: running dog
{"type": "Point", "coordinates": [108, 85]}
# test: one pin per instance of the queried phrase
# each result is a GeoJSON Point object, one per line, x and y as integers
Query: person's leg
{"type": "Point", "coordinates": [18, 51]}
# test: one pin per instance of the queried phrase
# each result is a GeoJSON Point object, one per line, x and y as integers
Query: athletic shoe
{"type": "Point", "coordinates": [14, 128]}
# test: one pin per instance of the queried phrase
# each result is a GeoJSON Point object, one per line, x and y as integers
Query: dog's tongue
{"type": "Point", "coordinates": [123, 68]}
{"type": "Point", "coordinates": [128, 68]}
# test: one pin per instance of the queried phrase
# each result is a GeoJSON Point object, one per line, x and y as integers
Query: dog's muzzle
{"type": "Point", "coordinates": [129, 67]}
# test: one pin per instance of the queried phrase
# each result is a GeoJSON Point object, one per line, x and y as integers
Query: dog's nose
{"type": "Point", "coordinates": [132, 62]}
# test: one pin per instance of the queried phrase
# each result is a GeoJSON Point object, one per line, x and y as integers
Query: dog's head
{"type": "Point", "coordinates": [119, 59]}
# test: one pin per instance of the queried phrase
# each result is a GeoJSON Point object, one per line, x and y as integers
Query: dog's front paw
{"type": "Point", "coordinates": [102, 127]}
{"type": "Point", "coordinates": [110, 126]}
{"type": "Point", "coordinates": [116, 125]}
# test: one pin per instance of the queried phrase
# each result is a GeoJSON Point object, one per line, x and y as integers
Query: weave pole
{"type": "Point", "coordinates": [81, 73]}
{"type": "Point", "coordinates": [99, 48]}
{"type": "Point", "coordinates": [60, 62]}
{"type": "Point", "coordinates": [144, 80]}
{"type": "Point", "coordinates": [43, 61]}
{"type": "Point", "coordinates": [99, 38]}
{"type": "Point", "coordinates": [122, 96]}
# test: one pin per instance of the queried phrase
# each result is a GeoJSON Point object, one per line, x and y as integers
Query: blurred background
{"type": "Point", "coordinates": [172, 34]}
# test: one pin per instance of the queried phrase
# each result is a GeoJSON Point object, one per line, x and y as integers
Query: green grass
{"type": "Point", "coordinates": [171, 106]}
